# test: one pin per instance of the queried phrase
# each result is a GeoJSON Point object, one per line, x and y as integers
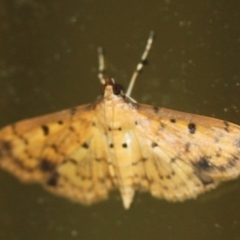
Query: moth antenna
{"type": "Point", "coordinates": [141, 63]}
{"type": "Point", "coordinates": [101, 65]}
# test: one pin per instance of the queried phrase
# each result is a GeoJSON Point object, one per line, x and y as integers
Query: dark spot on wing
{"type": "Point", "coordinates": [172, 120]}
{"type": "Point", "coordinates": [98, 159]}
{"type": "Point", "coordinates": [53, 180]}
{"type": "Point", "coordinates": [114, 129]}
{"type": "Point", "coordinates": [54, 146]}
{"type": "Point", "coordinates": [72, 129]}
{"type": "Point", "coordinates": [203, 164]}
{"type": "Point", "coordinates": [45, 129]}
{"type": "Point", "coordinates": [202, 167]}
{"type": "Point", "coordinates": [192, 128]}
{"type": "Point", "coordinates": [111, 145]}
{"type": "Point", "coordinates": [60, 122]}
{"type": "Point", "coordinates": [46, 165]}
{"type": "Point", "coordinates": [136, 123]}
{"type": "Point", "coordinates": [144, 159]}
{"type": "Point", "coordinates": [173, 159]}
{"type": "Point", "coordinates": [85, 145]}
{"type": "Point", "coordinates": [93, 124]}
{"type": "Point", "coordinates": [124, 145]}
{"type": "Point", "coordinates": [29, 155]}
{"type": "Point", "coordinates": [154, 145]}
{"type": "Point", "coordinates": [222, 168]}
{"type": "Point", "coordinates": [5, 147]}
{"type": "Point", "coordinates": [226, 124]}
{"type": "Point", "coordinates": [232, 162]}
{"type": "Point", "coordinates": [156, 109]}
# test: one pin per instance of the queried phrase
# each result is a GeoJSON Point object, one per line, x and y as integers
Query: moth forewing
{"type": "Point", "coordinates": [197, 138]}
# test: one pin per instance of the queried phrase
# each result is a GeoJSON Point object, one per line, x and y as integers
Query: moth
{"type": "Point", "coordinates": [85, 152]}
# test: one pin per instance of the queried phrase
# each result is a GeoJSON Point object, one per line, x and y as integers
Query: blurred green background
{"type": "Point", "coordinates": [48, 62]}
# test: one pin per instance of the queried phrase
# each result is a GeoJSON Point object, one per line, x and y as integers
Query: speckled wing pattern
{"type": "Point", "coordinates": [83, 153]}
{"type": "Point", "coordinates": [61, 151]}
{"type": "Point", "coordinates": [184, 154]}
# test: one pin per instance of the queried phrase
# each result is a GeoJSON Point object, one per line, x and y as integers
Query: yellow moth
{"type": "Point", "coordinates": [84, 152]}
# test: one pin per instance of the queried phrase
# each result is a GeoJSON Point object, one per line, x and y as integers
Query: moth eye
{"type": "Point", "coordinates": [117, 89]}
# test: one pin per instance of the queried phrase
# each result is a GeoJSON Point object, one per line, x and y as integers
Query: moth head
{"type": "Point", "coordinates": [111, 89]}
